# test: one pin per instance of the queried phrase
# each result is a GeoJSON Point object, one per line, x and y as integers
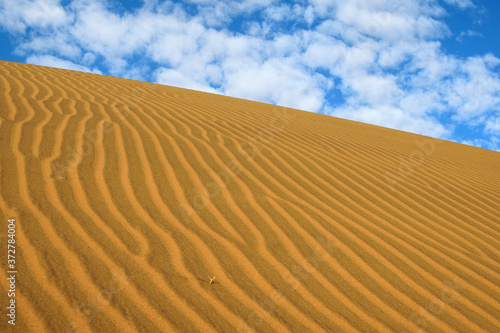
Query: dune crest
{"type": "Point", "coordinates": [129, 198]}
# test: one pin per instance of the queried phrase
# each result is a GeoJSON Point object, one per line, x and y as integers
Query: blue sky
{"type": "Point", "coordinates": [423, 66]}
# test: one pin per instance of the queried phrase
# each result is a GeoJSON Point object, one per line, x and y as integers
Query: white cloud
{"type": "Point", "coordinates": [493, 125]}
{"type": "Point", "coordinates": [20, 14]}
{"type": "Point", "coordinates": [493, 143]}
{"type": "Point", "coordinates": [58, 43]}
{"type": "Point", "coordinates": [173, 49]}
{"type": "Point", "coordinates": [177, 78]}
{"type": "Point", "coordinates": [430, 64]}
{"type": "Point", "coordinates": [477, 91]}
{"type": "Point", "coordinates": [308, 14]}
{"type": "Point", "coordinates": [276, 81]}
{"type": "Point", "coordinates": [324, 52]}
{"type": "Point", "coordinates": [393, 117]}
{"type": "Point", "coordinates": [468, 33]}
{"type": "Point", "coordinates": [374, 89]}
{"type": "Point", "coordinates": [382, 19]}
{"type": "Point", "coordinates": [278, 13]}
{"type": "Point", "coordinates": [419, 102]}
{"type": "Point", "coordinates": [50, 61]}
{"type": "Point", "coordinates": [88, 58]}
{"type": "Point", "coordinates": [391, 56]}
{"type": "Point", "coordinates": [220, 13]}
{"type": "Point", "coordinates": [101, 31]}
{"type": "Point", "coordinates": [462, 4]}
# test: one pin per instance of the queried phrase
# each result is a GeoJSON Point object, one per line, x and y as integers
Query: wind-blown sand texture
{"type": "Point", "coordinates": [129, 196]}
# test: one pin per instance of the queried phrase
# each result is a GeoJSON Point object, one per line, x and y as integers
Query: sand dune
{"type": "Point", "coordinates": [129, 196]}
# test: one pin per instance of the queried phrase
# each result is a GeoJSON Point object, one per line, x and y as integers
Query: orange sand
{"type": "Point", "coordinates": [129, 196]}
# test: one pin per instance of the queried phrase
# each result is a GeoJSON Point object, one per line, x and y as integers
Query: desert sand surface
{"type": "Point", "coordinates": [128, 197]}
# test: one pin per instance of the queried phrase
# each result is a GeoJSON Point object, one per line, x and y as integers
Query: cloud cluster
{"type": "Point", "coordinates": [379, 61]}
